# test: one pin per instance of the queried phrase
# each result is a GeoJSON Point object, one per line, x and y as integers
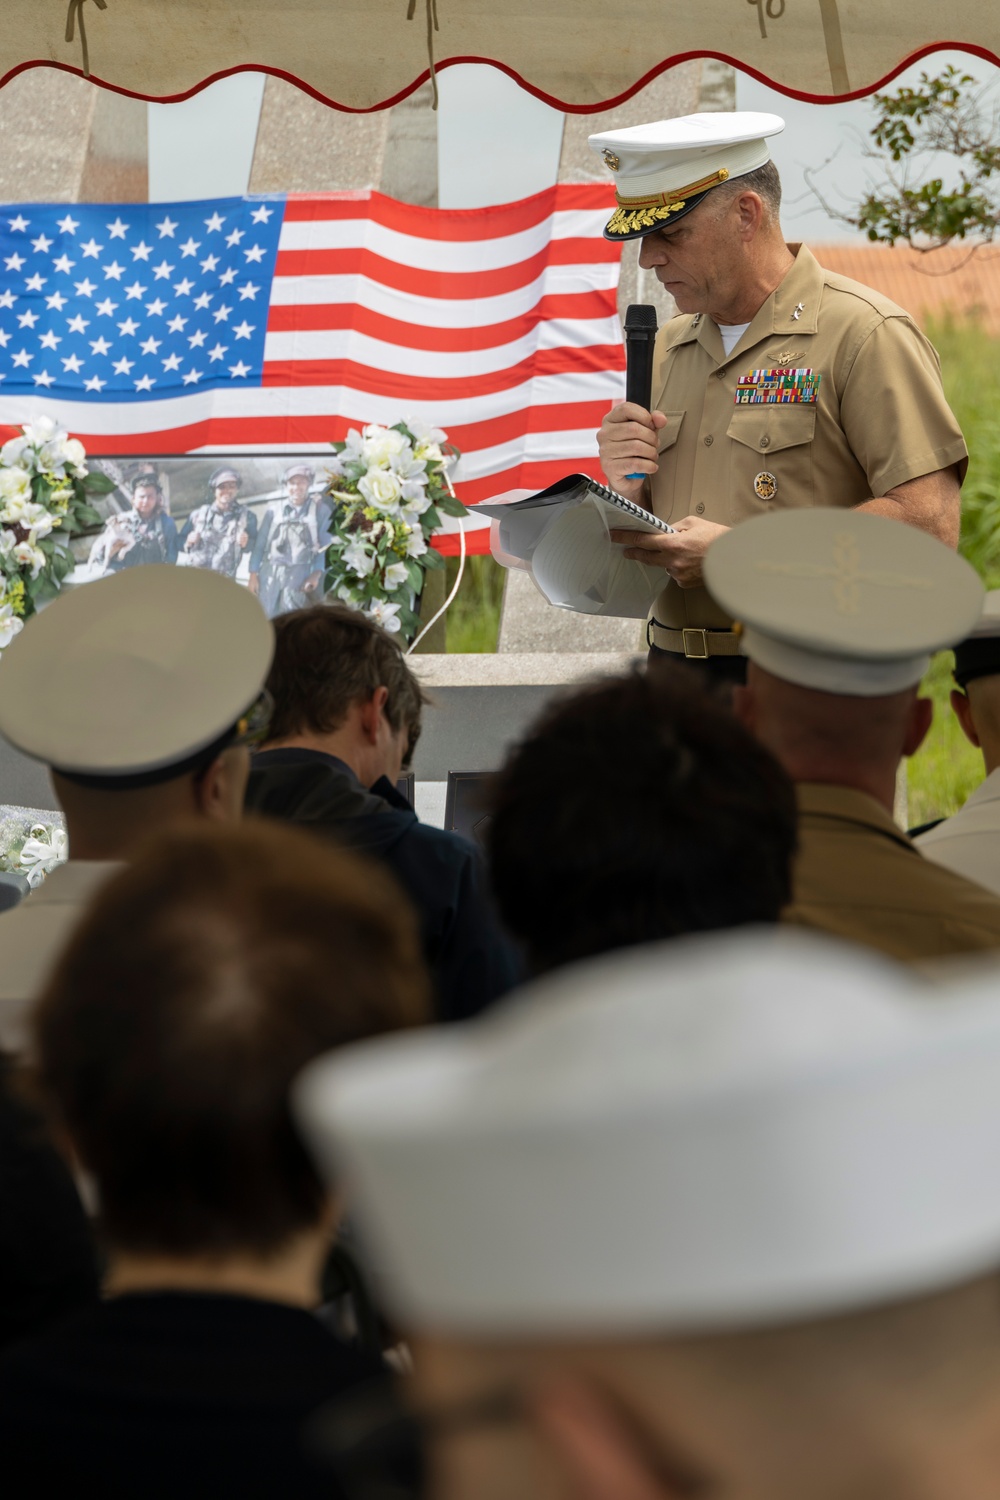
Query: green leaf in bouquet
{"type": "Point", "coordinates": [452, 507]}
{"type": "Point", "coordinates": [431, 520]}
{"type": "Point", "coordinates": [338, 447]}
{"type": "Point", "coordinates": [97, 483]}
{"type": "Point", "coordinates": [432, 560]}
{"type": "Point", "coordinates": [415, 575]}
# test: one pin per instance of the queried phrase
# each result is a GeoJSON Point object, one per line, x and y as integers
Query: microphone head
{"type": "Point", "coordinates": [640, 317]}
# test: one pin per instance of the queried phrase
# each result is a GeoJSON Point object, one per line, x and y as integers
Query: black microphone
{"type": "Point", "coordinates": [640, 336]}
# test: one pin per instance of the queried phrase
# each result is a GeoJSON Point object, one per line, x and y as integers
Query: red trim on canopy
{"type": "Point", "coordinates": [574, 109]}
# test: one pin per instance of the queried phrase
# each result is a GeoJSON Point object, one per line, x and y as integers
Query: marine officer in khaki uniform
{"type": "Point", "coordinates": [840, 610]}
{"type": "Point", "coordinates": [779, 385]}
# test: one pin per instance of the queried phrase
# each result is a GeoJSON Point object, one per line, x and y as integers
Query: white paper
{"type": "Point", "coordinates": [564, 543]}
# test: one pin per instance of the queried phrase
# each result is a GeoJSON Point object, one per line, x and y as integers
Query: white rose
{"type": "Point", "coordinates": [42, 527]}
{"type": "Point", "coordinates": [380, 488]}
{"type": "Point", "coordinates": [395, 576]}
{"type": "Point", "coordinates": [380, 445]}
{"type": "Point", "coordinates": [15, 484]}
{"type": "Point", "coordinates": [10, 625]}
{"type": "Point", "coordinates": [386, 615]}
{"type": "Point", "coordinates": [357, 557]}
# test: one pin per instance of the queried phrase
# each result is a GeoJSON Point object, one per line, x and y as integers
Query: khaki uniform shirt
{"type": "Point", "coordinates": [859, 877]}
{"type": "Point", "coordinates": [880, 417]}
{"type": "Point", "coordinates": [969, 841]}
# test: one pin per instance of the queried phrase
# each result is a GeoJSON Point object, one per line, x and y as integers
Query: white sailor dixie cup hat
{"type": "Point", "coordinates": [725, 1131]}
{"type": "Point", "coordinates": [664, 169]}
{"type": "Point", "coordinates": [841, 600]}
{"type": "Point", "coordinates": [135, 678]}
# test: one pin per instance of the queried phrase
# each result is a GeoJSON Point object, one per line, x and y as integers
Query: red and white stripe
{"type": "Point", "coordinates": [498, 325]}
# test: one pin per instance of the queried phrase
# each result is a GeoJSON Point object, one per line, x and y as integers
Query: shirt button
{"type": "Point", "coordinates": [765, 442]}
{"type": "Point", "coordinates": [700, 508]}
{"type": "Point", "coordinates": [709, 440]}
{"type": "Point", "coordinates": [720, 374]}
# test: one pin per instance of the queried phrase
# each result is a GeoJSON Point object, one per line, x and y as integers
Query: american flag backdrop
{"type": "Point", "coordinates": [275, 324]}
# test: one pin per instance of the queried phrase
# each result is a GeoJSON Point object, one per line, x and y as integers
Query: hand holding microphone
{"type": "Point", "coordinates": [627, 440]}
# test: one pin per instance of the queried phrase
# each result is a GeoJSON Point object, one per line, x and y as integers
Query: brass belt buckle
{"type": "Point", "coordinates": [700, 638]}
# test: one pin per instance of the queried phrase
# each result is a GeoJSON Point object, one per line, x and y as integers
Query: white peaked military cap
{"type": "Point", "coordinates": [979, 654]}
{"type": "Point", "coordinates": [841, 600]}
{"type": "Point", "coordinates": [135, 676]}
{"type": "Point", "coordinates": [664, 169]}
{"type": "Point", "coordinates": [718, 1132]}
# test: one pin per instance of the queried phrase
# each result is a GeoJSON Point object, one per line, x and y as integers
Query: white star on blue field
{"type": "Point", "coordinates": [139, 301]}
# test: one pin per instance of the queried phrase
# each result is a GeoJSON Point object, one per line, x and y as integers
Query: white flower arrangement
{"type": "Point", "coordinates": [388, 488]}
{"type": "Point", "coordinates": [44, 485]}
{"type": "Point", "coordinates": [32, 842]}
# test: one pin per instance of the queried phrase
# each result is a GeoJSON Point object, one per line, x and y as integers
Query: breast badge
{"type": "Point", "coordinates": [765, 486]}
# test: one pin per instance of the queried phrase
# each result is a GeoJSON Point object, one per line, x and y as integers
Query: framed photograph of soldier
{"type": "Point", "coordinates": [261, 519]}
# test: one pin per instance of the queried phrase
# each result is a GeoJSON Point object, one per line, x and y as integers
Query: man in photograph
{"type": "Point", "coordinates": [286, 567]}
{"type": "Point", "coordinates": [218, 534]}
{"type": "Point", "coordinates": [143, 534]}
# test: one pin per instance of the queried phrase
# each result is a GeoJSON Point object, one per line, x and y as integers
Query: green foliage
{"type": "Point", "coordinates": [947, 768]}
{"type": "Point", "coordinates": [945, 114]}
{"type": "Point", "coordinates": [474, 617]}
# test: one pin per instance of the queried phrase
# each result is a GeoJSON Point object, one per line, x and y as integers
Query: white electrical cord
{"type": "Point", "coordinates": [461, 569]}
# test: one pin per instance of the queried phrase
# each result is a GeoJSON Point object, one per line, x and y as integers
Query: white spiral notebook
{"type": "Point", "coordinates": [561, 537]}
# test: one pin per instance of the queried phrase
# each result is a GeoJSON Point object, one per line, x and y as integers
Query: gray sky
{"type": "Point", "coordinates": [814, 131]}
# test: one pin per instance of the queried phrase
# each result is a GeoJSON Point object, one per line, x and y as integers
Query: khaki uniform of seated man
{"type": "Point", "coordinates": [715, 1218]}
{"type": "Point", "coordinates": [969, 841]}
{"type": "Point", "coordinates": [840, 611]}
{"type": "Point", "coordinates": [778, 385]}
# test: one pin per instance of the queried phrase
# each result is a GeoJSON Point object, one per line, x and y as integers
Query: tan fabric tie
{"type": "Point", "coordinates": [432, 26]}
{"type": "Point", "coordinates": [74, 14]}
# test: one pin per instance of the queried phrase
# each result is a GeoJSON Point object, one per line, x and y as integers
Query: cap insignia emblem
{"type": "Point", "coordinates": [765, 486]}
{"type": "Point", "coordinates": [847, 574]}
{"type": "Point", "coordinates": [611, 160]}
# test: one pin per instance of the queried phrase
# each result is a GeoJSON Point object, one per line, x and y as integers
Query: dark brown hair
{"type": "Point", "coordinates": [204, 977]}
{"type": "Point", "coordinates": [638, 809]}
{"type": "Point", "coordinates": [329, 657]}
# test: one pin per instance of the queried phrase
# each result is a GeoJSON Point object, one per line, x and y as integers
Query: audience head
{"type": "Point", "coordinates": [637, 809]}
{"type": "Point", "coordinates": [734, 1194]}
{"type": "Point", "coordinates": [976, 697]}
{"type": "Point", "coordinates": [141, 692]}
{"type": "Point", "coordinates": [202, 980]}
{"type": "Point", "coordinates": [840, 611]}
{"type": "Point", "coordinates": [340, 683]}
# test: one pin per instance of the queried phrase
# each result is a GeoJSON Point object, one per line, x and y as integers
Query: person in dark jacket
{"type": "Point", "coordinates": [346, 720]}
{"type": "Point", "coordinates": [48, 1261]}
{"type": "Point", "coordinates": [205, 976]}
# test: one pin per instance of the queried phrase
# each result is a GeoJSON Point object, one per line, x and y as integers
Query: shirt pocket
{"type": "Point", "coordinates": [663, 485]}
{"type": "Point", "coordinates": [771, 459]}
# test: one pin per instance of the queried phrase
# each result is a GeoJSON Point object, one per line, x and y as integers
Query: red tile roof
{"type": "Point", "coordinates": [960, 282]}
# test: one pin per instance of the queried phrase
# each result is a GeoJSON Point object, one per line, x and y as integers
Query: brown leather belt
{"type": "Point", "coordinates": [693, 642]}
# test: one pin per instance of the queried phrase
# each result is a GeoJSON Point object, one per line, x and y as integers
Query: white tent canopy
{"type": "Point", "coordinates": [576, 54]}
